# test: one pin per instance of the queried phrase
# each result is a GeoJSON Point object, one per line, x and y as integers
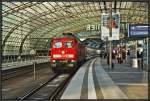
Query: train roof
{"type": "Point", "coordinates": [67, 35]}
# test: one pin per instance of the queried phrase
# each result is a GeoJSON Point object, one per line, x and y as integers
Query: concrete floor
{"type": "Point", "coordinates": [135, 91]}
{"type": "Point", "coordinates": [101, 82]}
{"type": "Point", "coordinates": [132, 81]}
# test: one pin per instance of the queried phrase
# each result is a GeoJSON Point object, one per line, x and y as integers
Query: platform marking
{"type": "Point", "coordinates": [73, 90]}
{"type": "Point", "coordinates": [97, 87]}
{"type": "Point", "coordinates": [91, 88]}
{"type": "Point", "coordinates": [132, 84]}
{"type": "Point", "coordinates": [84, 90]}
{"type": "Point", "coordinates": [129, 72]}
{"type": "Point", "coordinates": [109, 89]}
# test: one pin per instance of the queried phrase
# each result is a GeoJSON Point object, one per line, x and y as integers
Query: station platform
{"type": "Point", "coordinates": [12, 65]}
{"type": "Point", "coordinates": [95, 80]}
{"type": "Point", "coordinates": [39, 60]}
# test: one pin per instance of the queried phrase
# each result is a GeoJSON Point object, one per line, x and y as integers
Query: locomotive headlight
{"type": "Point", "coordinates": [53, 60]}
{"type": "Point", "coordinates": [56, 56]}
{"type": "Point", "coordinates": [73, 61]}
{"type": "Point", "coordinates": [70, 55]}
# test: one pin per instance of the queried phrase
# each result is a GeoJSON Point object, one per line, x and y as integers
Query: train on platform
{"type": "Point", "coordinates": [67, 53]}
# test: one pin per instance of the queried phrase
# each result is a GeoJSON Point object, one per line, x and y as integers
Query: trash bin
{"type": "Point", "coordinates": [134, 63]}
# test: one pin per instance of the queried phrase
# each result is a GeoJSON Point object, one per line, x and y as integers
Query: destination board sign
{"type": "Point", "coordinates": [138, 30]}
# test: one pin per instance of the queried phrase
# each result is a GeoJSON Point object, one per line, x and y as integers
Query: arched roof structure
{"type": "Point", "coordinates": [28, 25]}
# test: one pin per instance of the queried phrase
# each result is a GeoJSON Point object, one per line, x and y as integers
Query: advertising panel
{"type": "Point", "coordinates": [138, 30]}
{"type": "Point", "coordinates": [105, 25]}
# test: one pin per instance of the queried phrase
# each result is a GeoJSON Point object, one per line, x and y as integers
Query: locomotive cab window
{"type": "Point", "coordinates": [68, 44]}
{"type": "Point", "coordinates": [57, 44]}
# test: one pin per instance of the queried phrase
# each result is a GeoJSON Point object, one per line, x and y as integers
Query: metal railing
{"type": "Point", "coordinates": [24, 60]}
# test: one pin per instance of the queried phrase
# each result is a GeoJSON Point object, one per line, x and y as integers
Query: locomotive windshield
{"type": "Point", "coordinates": [68, 44]}
{"type": "Point", "coordinates": [57, 44]}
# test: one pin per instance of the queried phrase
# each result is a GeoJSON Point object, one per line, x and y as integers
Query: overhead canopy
{"type": "Point", "coordinates": [28, 25]}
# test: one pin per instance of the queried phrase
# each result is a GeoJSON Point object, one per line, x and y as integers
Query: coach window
{"type": "Point", "coordinates": [68, 44]}
{"type": "Point", "coordinates": [57, 44]}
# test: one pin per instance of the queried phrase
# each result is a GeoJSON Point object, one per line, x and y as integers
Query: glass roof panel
{"type": "Point", "coordinates": [45, 19]}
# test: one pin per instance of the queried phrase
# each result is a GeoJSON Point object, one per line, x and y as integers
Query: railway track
{"type": "Point", "coordinates": [12, 73]}
{"type": "Point", "coordinates": [49, 89]}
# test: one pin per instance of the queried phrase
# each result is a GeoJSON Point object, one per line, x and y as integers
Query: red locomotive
{"type": "Point", "coordinates": [67, 53]}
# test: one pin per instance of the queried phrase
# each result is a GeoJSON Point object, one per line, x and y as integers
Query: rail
{"type": "Point", "coordinates": [34, 90]}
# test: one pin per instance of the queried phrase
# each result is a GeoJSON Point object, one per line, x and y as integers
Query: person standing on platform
{"type": "Point", "coordinates": [142, 59]}
{"type": "Point", "coordinates": [119, 58]}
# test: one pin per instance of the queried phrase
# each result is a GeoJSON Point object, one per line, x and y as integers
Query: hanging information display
{"type": "Point", "coordinates": [105, 26]}
{"type": "Point", "coordinates": [138, 30]}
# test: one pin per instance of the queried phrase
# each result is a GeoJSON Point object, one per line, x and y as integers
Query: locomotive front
{"type": "Point", "coordinates": [63, 54]}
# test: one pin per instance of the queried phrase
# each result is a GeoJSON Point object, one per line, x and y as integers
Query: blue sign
{"type": "Point", "coordinates": [138, 30]}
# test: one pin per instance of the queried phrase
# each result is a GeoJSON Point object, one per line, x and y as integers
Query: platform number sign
{"type": "Point", "coordinates": [105, 25]}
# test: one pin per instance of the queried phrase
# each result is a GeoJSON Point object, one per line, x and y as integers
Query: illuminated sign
{"type": "Point", "coordinates": [138, 30]}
